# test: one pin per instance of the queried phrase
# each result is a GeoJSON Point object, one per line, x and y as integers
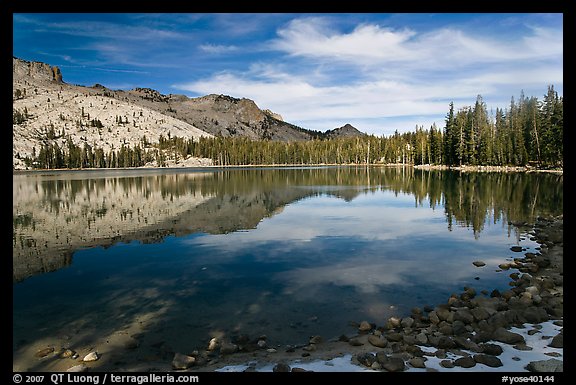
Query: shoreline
{"type": "Point", "coordinates": [461, 332]}
{"type": "Point", "coordinates": [466, 333]}
{"type": "Point", "coordinates": [205, 165]}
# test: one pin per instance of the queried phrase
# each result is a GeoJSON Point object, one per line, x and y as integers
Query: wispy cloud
{"type": "Point", "coordinates": [217, 48]}
{"type": "Point", "coordinates": [380, 71]}
{"type": "Point", "coordinates": [374, 72]}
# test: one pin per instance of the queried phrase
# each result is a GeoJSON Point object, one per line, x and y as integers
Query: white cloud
{"type": "Point", "coordinates": [380, 75]}
{"type": "Point", "coordinates": [217, 48]}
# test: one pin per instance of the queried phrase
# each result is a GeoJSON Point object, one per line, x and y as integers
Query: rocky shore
{"type": "Point", "coordinates": [466, 332]}
{"type": "Point", "coordinates": [462, 332]}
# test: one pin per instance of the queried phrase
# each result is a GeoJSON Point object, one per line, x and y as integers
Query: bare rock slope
{"type": "Point", "coordinates": [47, 110]}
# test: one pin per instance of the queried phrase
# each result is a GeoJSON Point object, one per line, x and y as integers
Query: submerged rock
{"type": "Point", "coordinates": [182, 361]}
{"type": "Point", "coordinates": [44, 352]}
{"type": "Point", "coordinates": [92, 356]}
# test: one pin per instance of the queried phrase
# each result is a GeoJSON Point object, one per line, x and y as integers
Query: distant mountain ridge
{"type": "Point", "coordinates": [47, 109]}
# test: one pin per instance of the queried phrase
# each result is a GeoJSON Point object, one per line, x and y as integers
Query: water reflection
{"type": "Point", "coordinates": [55, 214]}
{"type": "Point", "coordinates": [174, 258]}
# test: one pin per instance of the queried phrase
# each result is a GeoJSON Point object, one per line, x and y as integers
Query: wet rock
{"type": "Point", "coordinates": [479, 263]}
{"type": "Point", "coordinates": [393, 323]}
{"type": "Point", "coordinates": [364, 326]}
{"type": "Point", "coordinates": [281, 367]}
{"type": "Point", "coordinates": [213, 344]}
{"type": "Point", "coordinates": [67, 353]}
{"type": "Point", "coordinates": [261, 344]}
{"type": "Point", "coordinates": [516, 248]}
{"type": "Point", "coordinates": [378, 342]}
{"type": "Point", "coordinates": [44, 352]}
{"type": "Point", "coordinates": [182, 361]}
{"type": "Point", "coordinates": [552, 365]}
{"type": "Point", "coordinates": [488, 360]}
{"type": "Point", "coordinates": [92, 356]}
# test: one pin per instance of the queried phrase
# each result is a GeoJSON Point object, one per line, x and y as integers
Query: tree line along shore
{"type": "Point", "coordinates": [527, 134]}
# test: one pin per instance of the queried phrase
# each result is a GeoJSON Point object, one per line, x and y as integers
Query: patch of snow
{"type": "Point", "coordinates": [513, 360]}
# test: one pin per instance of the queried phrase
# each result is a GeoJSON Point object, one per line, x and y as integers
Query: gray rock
{"type": "Point", "coordinates": [433, 317]}
{"type": "Point", "coordinates": [516, 248]}
{"type": "Point", "coordinates": [480, 313]}
{"type": "Point", "coordinates": [557, 341]}
{"type": "Point", "coordinates": [442, 312]}
{"type": "Point", "coordinates": [447, 364]}
{"type": "Point", "coordinates": [458, 328]}
{"type": "Point", "coordinates": [417, 362]}
{"type": "Point", "coordinates": [506, 336]}
{"type": "Point", "coordinates": [390, 363]}
{"type": "Point", "coordinates": [465, 343]}
{"type": "Point", "coordinates": [422, 338]}
{"type": "Point", "coordinates": [479, 263]}
{"type": "Point", "coordinates": [378, 342]}
{"type": "Point", "coordinates": [552, 365]}
{"type": "Point", "coordinates": [492, 349]}
{"type": "Point", "coordinates": [488, 360]}
{"type": "Point", "coordinates": [407, 322]}
{"type": "Point", "coordinates": [465, 362]}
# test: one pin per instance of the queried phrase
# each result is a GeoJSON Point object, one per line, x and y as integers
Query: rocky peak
{"type": "Point", "coordinates": [36, 70]}
{"type": "Point", "coordinates": [273, 115]}
{"type": "Point", "coordinates": [346, 130]}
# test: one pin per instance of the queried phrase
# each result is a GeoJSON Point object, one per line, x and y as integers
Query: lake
{"type": "Point", "coordinates": [160, 261]}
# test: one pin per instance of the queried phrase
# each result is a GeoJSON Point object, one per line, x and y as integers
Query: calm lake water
{"type": "Point", "coordinates": [176, 257]}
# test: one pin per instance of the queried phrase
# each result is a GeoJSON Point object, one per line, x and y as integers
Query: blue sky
{"type": "Point", "coordinates": [380, 72]}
